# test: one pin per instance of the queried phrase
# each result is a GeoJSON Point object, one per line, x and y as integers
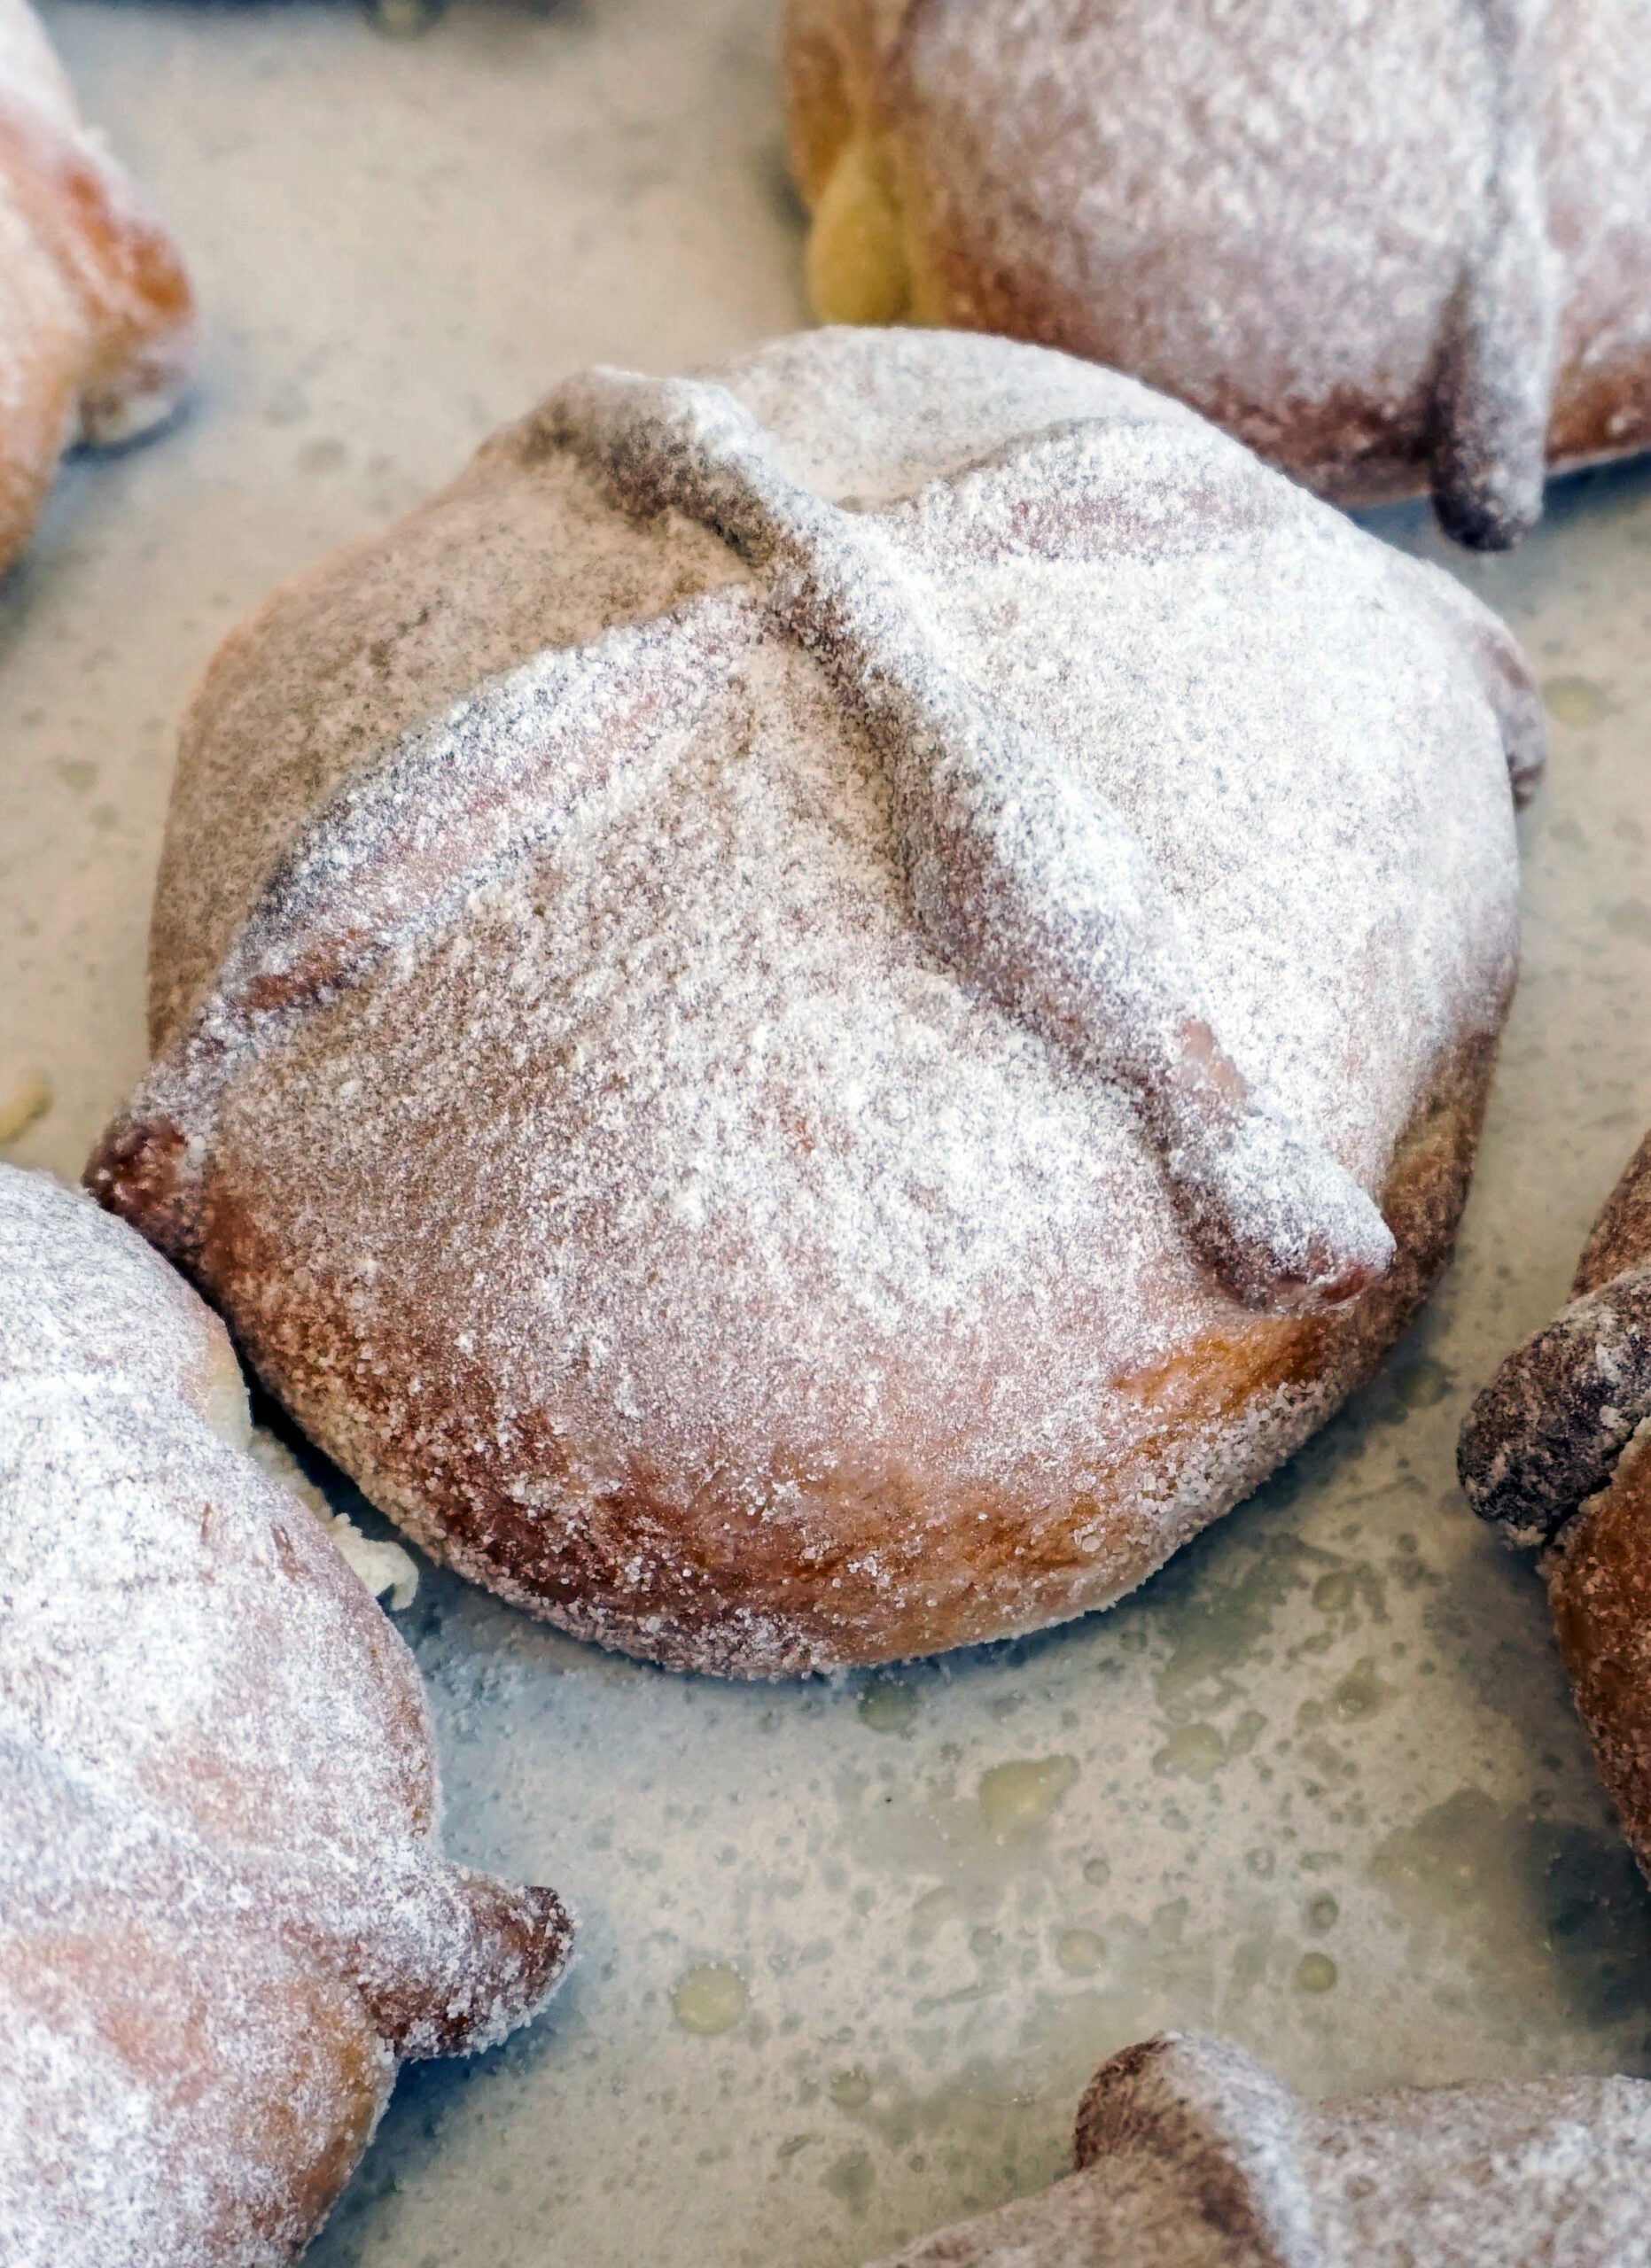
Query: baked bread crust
{"type": "Point", "coordinates": [224, 1914]}
{"type": "Point", "coordinates": [1556, 1453]}
{"type": "Point", "coordinates": [1190, 2155]}
{"type": "Point", "coordinates": [1393, 249]}
{"type": "Point", "coordinates": [97, 321]}
{"type": "Point", "coordinates": [772, 1091]}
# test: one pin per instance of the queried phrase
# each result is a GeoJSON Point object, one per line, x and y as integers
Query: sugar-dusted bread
{"type": "Point", "coordinates": [1393, 247]}
{"type": "Point", "coordinates": [1190, 2155]}
{"type": "Point", "coordinates": [820, 1009]}
{"type": "Point", "coordinates": [1557, 1452]}
{"type": "Point", "coordinates": [224, 1914]}
{"type": "Point", "coordinates": [97, 324]}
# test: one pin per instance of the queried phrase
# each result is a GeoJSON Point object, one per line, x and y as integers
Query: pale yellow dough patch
{"type": "Point", "coordinates": [388, 1571]}
{"type": "Point", "coordinates": [857, 264]}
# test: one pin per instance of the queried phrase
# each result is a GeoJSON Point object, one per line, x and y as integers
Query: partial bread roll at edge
{"type": "Point", "coordinates": [1394, 248]}
{"type": "Point", "coordinates": [96, 320]}
{"type": "Point", "coordinates": [1556, 1453]}
{"type": "Point", "coordinates": [225, 1918]}
{"type": "Point", "coordinates": [1191, 2155]}
{"type": "Point", "coordinates": [825, 1006]}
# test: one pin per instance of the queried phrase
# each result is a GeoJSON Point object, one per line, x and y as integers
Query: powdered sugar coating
{"type": "Point", "coordinates": [1191, 2156]}
{"type": "Point", "coordinates": [1391, 247]}
{"type": "Point", "coordinates": [655, 1221]}
{"type": "Point", "coordinates": [97, 324]}
{"type": "Point", "coordinates": [223, 1913]}
{"type": "Point", "coordinates": [1021, 883]}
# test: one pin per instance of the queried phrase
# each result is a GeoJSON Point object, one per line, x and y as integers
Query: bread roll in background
{"type": "Point", "coordinates": [97, 321]}
{"type": "Point", "coordinates": [1191, 2155]}
{"type": "Point", "coordinates": [1556, 1453]}
{"type": "Point", "coordinates": [1394, 248]}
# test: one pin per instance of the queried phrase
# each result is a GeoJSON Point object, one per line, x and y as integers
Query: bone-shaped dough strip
{"type": "Point", "coordinates": [1036, 890]}
{"type": "Point", "coordinates": [1547, 1431]}
{"type": "Point", "coordinates": [519, 764]}
{"type": "Point", "coordinates": [1496, 378]}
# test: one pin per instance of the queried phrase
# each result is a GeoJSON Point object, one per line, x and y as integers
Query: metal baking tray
{"type": "Point", "coordinates": [850, 1948]}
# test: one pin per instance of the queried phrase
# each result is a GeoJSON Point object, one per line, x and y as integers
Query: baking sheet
{"type": "Point", "coordinates": [1317, 1786]}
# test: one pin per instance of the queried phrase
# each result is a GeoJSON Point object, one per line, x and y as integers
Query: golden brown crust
{"type": "Point", "coordinates": [1556, 1450]}
{"type": "Point", "coordinates": [1546, 1433]}
{"type": "Point", "coordinates": [888, 1565]}
{"type": "Point", "coordinates": [1599, 1580]}
{"type": "Point", "coordinates": [188, 2029]}
{"type": "Point", "coordinates": [1621, 1237]}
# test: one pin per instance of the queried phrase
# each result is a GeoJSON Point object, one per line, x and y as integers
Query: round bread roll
{"type": "Point", "coordinates": [1394, 248]}
{"type": "Point", "coordinates": [97, 324]}
{"type": "Point", "coordinates": [224, 1914]}
{"type": "Point", "coordinates": [1190, 2155]}
{"type": "Point", "coordinates": [1557, 1452]}
{"type": "Point", "coordinates": [819, 1010]}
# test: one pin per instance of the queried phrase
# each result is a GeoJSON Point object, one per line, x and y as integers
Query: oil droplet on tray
{"type": "Point", "coordinates": [936, 1906]}
{"type": "Point", "coordinates": [1017, 1799]}
{"type": "Point", "coordinates": [888, 1706]}
{"type": "Point", "coordinates": [1315, 1972]}
{"type": "Point", "coordinates": [1079, 1951]}
{"type": "Point", "coordinates": [1195, 1752]}
{"type": "Point", "coordinates": [1423, 1384]}
{"type": "Point", "coordinates": [1576, 701]}
{"type": "Point", "coordinates": [851, 2179]}
{"type": "Point", "coordinates": [709, 2000]}
{"type": "Point", "coordinates": [850, 2090]}
{"type": "Point", "coordinates": [1360, 1692]}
